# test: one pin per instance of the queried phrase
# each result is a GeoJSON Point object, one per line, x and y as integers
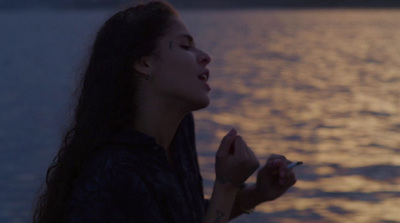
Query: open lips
{"type": "Point", "coordinates": [204, 76]}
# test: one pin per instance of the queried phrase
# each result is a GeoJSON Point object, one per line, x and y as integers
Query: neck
{"type": "Point", "coordinates": [158, 125]}
{"type": "Point", "coordinates": [158, 119]}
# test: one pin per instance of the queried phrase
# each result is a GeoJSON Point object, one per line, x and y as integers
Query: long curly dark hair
{"type": "Point", "coordinates": [106, 102]}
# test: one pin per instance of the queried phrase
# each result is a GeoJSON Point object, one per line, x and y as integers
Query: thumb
{"type": "Point", "coordinates": [226, 143]}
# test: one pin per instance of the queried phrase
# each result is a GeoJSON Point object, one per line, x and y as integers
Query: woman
{"type": "Point", "coordinates": [130, 155]}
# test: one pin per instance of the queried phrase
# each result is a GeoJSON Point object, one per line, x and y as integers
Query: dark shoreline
{"type": "Point", "coordinates": [2, 9]}
{"type": "Point", "coordinates": [212, 4]}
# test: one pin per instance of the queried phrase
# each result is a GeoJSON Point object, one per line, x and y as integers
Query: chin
{"type": "Point", "coordinates": [200, 104]}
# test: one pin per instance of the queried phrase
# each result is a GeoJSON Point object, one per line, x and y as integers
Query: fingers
{"type": "Point", "coordinates": [241, 150]}
{"type": "Point", "coordinates": [274, 164]}
{"type": "Point", "coordinates": [253, 157]}
{"type": "Point", "coordinates": [235, 161]}
{"type": "Point", "coordinates": [226, 143]}
{"type": "Point", "coordinates": [239, 147]}
{"type": "Point", "coordinates": [290, 180]}
{"type": "Point", "coordinates": [277, 164]}
{"type": "Point", "coordinates": [280, 163]}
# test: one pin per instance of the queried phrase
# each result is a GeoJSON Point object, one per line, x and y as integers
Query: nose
{"type": "Point", "coordinates": [204, 58]}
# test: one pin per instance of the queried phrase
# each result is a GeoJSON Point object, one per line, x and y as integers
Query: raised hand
{"type": "Point", "coordinates": [274, 179]}
{"type": "Point", "coordinates": [235, 161]}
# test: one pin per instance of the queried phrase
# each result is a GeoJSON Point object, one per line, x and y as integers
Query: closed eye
{"type": "Point", "coordinates": [186, 47]}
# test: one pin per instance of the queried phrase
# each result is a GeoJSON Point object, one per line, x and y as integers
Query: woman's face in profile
{"type": "Point", "coordinates": [179, 72]}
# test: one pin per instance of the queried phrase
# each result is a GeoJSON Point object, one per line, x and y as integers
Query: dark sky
{"type": "Point", "coordinates": [204, 3]}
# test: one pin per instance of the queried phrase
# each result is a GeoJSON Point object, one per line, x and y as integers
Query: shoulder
{"type": "Point", "coordinates": [109, 168]}
{"type": "Point", "coordinates": [110, 187]}
{"type": "Point", "coordinates": [112, 165]}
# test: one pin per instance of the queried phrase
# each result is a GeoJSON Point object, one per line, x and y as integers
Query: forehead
{"type": "Point", "coordinates": [177, 29]}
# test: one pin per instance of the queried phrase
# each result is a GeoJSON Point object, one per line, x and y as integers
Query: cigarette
{"type": "Point", "coordinates": [292, 165]}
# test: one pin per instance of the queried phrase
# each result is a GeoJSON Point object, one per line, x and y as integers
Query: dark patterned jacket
{"type": "Point", "coordinates": [130, 180]}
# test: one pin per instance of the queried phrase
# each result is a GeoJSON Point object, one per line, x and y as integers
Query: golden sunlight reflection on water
{"type": "Point", "coordinates": [318, 86]}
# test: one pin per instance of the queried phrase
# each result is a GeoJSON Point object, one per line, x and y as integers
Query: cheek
{"type": "Point", "coordinates": [181, 64]}
{"type": "Point", "coordinates": [176, 63]}
{"type": "Point", "coordinates": [178, 55]}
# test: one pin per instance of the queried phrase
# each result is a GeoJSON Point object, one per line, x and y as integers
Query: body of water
{"type": "Point", "coordinates": [320, 86]}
